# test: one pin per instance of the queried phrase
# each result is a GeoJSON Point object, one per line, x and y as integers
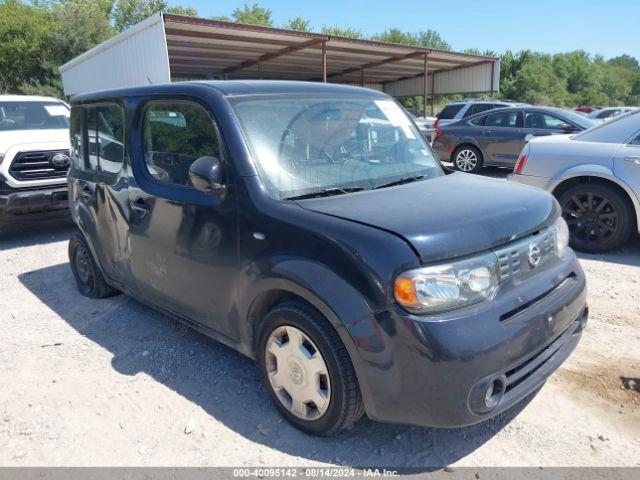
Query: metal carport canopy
{"type": "Point", "coordinates": [167, 47]}
{"type": "Point", "coordinates": [200, 48]}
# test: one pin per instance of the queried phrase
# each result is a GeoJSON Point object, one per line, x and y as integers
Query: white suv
{"type": "Point", "coordinates": [34, 157]}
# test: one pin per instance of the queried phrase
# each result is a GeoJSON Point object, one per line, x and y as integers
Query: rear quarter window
{"type": "Point", "coordinates": [450, 111]}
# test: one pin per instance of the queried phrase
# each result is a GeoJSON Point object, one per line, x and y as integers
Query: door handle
{"type": "Point", "coordinates": [85, 192]}
{"type": "Point", "coordinates": [487, 132]}
{"type": "Point", "coordinates": [139, 207]}
{"type": "Point", "coordinates": [633, 159]}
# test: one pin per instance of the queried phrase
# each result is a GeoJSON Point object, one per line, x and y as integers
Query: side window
{"type": "Point", "coordinates": [635, 141]}
{"type": "Point", "coordinates": [542, 121]}
{"type": "Point", "coordinates": [176, 134]}
{"type": "Point", "coordinates": [478, 108]}
{"type": "Point", "coordinates": [110, 137]}
{"type": "Point", "coordinates": [77, 144]}
{"type": "Point", "coordinates": [479, 121]}
{"type": "Point", "coordinates": [105, 135]}
{"type": "Point", "coordinates": [502, 119]}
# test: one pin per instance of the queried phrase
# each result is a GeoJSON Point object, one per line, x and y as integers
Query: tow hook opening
{"type": "Point", "coordinates": [487, 394]}
{"type": "Point", "coordinates": [494, 393]}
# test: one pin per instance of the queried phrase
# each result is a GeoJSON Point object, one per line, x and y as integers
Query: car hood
{"type": "Point", "coordinates": [448, 216]}
{"type": "Point", "coordinates": [11, 138]}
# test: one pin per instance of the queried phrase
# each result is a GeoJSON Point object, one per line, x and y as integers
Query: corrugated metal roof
{"type": "Point", "coordinates": [167, 47]}
{"type": "Point", "coordinates": [200, 48]}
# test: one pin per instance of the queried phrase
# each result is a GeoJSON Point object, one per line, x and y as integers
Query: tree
{"type": "Point", "coordinates": [298, 23]}
{"type": "Point", "coordinates": [127, 13]}
{"type": "Point", "coordinates": [536, 82]}
{"type": "Point", "coordinates": [431, 39]}
{"type": "Point", "coordinates": [625, 61]}
{"type": "Point", "coordinates": [254, 15]}
{"type": "Point", "coordinates": [395, 35]}
{"type": "Point", "coordinates": [341, 32]}
{"type": "Point", "coordinates": [24, 47]}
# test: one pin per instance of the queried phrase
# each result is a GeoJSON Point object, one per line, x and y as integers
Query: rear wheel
{"type": "Point", "coordinates": [307, 371]}
{"type": "Point", "coordinates": [467, 159]}
{"type": "Point", "coordinates": [89, 278]}
{"type": "Point", "coordinates": [598, 216]}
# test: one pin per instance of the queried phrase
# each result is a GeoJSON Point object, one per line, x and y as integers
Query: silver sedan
{"type": "Point", "coordinates": [595, 175]}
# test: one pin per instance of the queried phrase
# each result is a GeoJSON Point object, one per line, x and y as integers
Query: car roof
{"type": "Point", "coordinates": [481, 100]}
{"type": "Point", "coordinates": [236, 88]}
{"type": "Point", "coordinates": [28, 98]}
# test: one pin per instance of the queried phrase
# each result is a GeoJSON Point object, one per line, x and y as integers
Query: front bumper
{"type": "Point", "coordinates": [32, 204]}
{"type": "Point", "coordinates": [435, 372]}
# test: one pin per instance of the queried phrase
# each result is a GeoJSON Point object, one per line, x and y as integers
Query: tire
{"type": "Point", "coordinates": [468, 159]}
{"type": "Point", "coordinates": [599, 217]}
{"type": "Point", "coordinates": [89, 278]}
{"type": "Point", "coordinates": [340, 403]}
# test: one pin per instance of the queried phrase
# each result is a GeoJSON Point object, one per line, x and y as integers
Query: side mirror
{"type": "Point", "coordinates": [566, 128]}
{"type": "Point", "coordinates": [206, 174]}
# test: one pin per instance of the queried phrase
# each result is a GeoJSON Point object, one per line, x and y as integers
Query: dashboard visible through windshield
{"type": "Point", "coordinates": [322, 145]}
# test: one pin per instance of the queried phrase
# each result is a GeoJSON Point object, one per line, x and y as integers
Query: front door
{"type": "Point", "coordinates": [183, 242]}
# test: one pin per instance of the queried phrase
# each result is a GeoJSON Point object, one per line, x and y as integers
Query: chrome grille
{"type": "Point", "coordinates": [37, 165]}
{"type": "Point", "coordinates": [514, 259]}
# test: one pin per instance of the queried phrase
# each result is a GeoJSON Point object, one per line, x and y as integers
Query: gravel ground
{"type": "Point", "coordinates": [113, 383]}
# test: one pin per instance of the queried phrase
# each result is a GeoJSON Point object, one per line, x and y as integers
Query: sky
{"type": "Point", "coordinates": [606, 27]}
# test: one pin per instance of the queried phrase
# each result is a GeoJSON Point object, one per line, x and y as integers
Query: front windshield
{"type": "Point", "coordinates": [306, 145]}
{"type": "Point", "coordinates": [33, 116]}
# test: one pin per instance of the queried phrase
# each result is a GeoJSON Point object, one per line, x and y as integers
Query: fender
{"type": "Point", "coordinates": [592, 170]}
{"type": "Point", "coordinates": [337, 300]}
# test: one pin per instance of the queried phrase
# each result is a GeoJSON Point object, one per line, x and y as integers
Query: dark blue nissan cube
{"type": "Point", "coordinates": [311, 227]}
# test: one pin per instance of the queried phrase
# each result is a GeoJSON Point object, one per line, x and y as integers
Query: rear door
{"type": "Point", "coordinates": [98, 184]}
{"type": "Point", "coordinates": [183, 242]}
{"type": "Point", "coordinates": [501, 139]}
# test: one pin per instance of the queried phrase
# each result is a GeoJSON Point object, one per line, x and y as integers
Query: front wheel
{"type": "Point", "coordinates": [307, 371]}
{"type": "Point", "coordinates": [467, 159]}
{"type": "Point", "coordinates": [598, 216]}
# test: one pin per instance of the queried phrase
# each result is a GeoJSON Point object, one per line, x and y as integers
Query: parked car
{"type": "Point", "coordinates": [425, 124]}
{"type": "Point", "coordinates": [459, 109]}
{"type": "Point", "coordinates": [606, 114]}
{"type": "Point", "coordinates": [595, 175]}
{"type": "Point", "coordinates": [586, 109]}
{"type": "Point", "coordinates": [496, 138]}
{"type": "Point", "coordinates": [34, 157]}
{"type": "Point", "coordinates": [310, 227]}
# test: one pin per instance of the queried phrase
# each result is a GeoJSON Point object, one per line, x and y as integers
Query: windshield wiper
{"type": "Point", "coordinates": [326, 192]}
{"type": "Point", "coordinates": [400, 182]}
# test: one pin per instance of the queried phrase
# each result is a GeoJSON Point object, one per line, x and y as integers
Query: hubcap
{"type": "Point", "coordinates": [591, 217]}
{"type": "Point", "coordinates": [466, 160]}
{"type": "Point", "coordinates": [83, 268]}
{"type": "Point", "coordinates": [297, 373]}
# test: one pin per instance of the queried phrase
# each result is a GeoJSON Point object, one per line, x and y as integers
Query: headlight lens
{"type": "Point", "coordinates": [449, 286]}
{"type": "Point", "coordinates": [561, 231]}
{"type": "Point", "coordinates": [1, 158]}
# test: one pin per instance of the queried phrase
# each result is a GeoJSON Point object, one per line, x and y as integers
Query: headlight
{"type": "Point", "coordinates": [1, 158]}
{"type": "Point", "coordinates": [449, 286]}
{"type": "Point", "coordinates": [561, 232]}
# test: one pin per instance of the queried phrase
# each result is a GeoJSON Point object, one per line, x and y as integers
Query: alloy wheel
{"type": "Point", "coordinates": [591, 217]}
{"type": "Point", "coordinates": [466, 160]}
{"type": "Point", "coordinates": [297, 373]}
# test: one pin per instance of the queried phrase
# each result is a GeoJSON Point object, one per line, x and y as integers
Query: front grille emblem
{"type": "Point", "coordinates": [60, 160]}
{"type": "Point", "coordinates": [534, 255]}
